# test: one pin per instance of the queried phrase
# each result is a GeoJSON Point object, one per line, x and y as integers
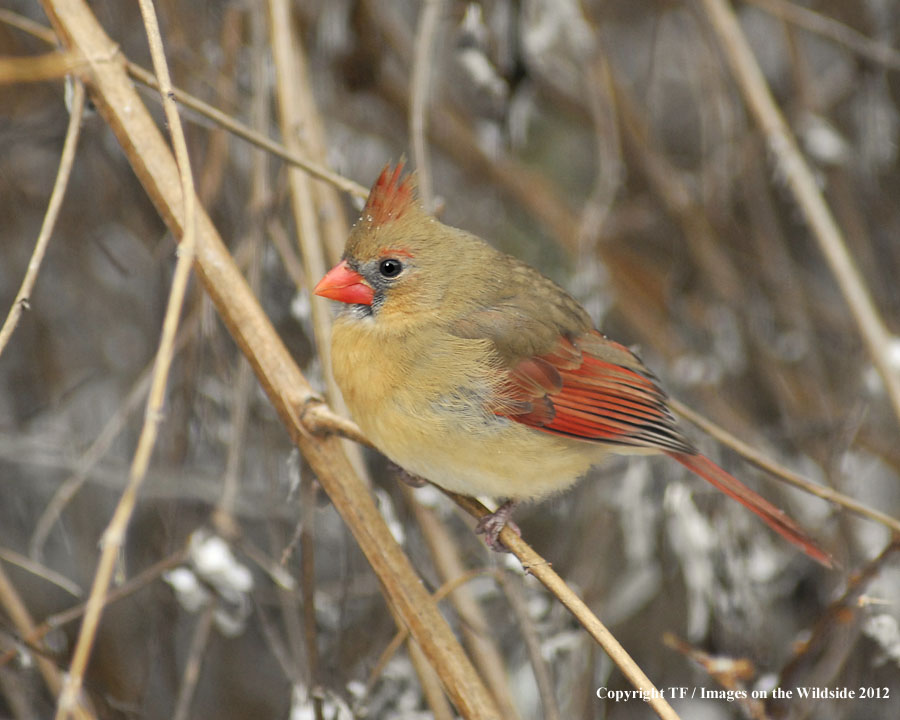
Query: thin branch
{"type": "Point", "coordinates": [320, 418]}
{"type": "Point", "coordinates": [199, 641]}
{"type": "Point", "coordinates": [731, 673]}
{"type": "Point", "coordinates": [114, 535]}
{"type": "Point", "coordinates": [435, 699]}
{"type": "Point", "coordinates": [802, 184]}
{"type": "Point", "coordinates": [511, 586]}
{"type": "Point", "coordinates": [418, 102]}
{"type": "Point", "coordinates": [450, 128]}
{"type": "Point", "coordinates": [41, 571]}
{"type": "Point", "coordinates": [235, 127]}
{"type": "Point", "coordinates": [42, 32]}
{"type": "Point", "coordinates": [240, 411]}
{"type": "Point", "coordinates": [290, 260]}
{"type": "Point", "coordinates": [50, 217]}
{"type": "Point", "coordinates": [814, 22]}
{"type": "Point", "coordinates": [608, 167]}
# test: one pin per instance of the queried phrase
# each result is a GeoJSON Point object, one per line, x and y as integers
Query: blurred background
{"type": "Point", "coordinates": [603, 142]}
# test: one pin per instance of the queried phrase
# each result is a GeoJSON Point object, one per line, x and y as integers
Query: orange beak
{"type": "Point", "coordinates": [346, 285]}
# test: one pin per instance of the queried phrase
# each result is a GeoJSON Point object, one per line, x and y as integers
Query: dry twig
{"type": "Point", "coordinates": [50, 217]}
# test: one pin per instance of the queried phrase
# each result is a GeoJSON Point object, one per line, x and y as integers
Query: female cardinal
{"type": "Point", "coordinates": [472, 370]}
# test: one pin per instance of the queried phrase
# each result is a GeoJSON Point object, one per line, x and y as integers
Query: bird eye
{"type": "Point", "coordinates": [390, 267]}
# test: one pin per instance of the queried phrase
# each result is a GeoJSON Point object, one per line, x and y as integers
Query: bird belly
{"type": "Point", "coordinates": [504, 461]}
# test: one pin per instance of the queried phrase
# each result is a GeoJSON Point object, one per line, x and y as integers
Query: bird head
{"type": "Point", "coordinates": [399, 261]}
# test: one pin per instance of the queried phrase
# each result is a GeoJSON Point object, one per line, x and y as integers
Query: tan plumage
{"type": "Point", "coordinates": [469, 368]}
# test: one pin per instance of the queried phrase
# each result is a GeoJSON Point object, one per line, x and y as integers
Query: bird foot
{"type": "Point", "coordinates": [492, 524]}
{"type": "Point", "coordinates": [407, 477]}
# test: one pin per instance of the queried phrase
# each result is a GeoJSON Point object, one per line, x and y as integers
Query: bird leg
{"type": "Point", "coordinates": [493, 523]}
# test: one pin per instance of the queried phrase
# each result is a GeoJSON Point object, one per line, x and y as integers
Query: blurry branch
{"type": "Point", "coordinates": [841, 616]}
{"type": "Point", "coordinates": [41, 571]}
{"type": "Point", "coordinates": [308, 586]}
{"type": "Point", "coordinates": [211, 173]}
{"type": "Point", "coordinates": [511, 587]}
{"type": "Point", "coordinates": [609, 170]}
{"type": "Point", "coordinates": [401, 636]}
{"type": "Point", "coordinates": [779, 471]}
{"type": "Point", "coordinates": [541, 569]}
{"type": "Point", "coordinates": [260, 202]}
{"type": "Point", "coordinates": [191, 675]}
{"type": "Point", "coordinates": [435, 699]}
{"type": "Point", "coordinates": [290, 260]}
{"type": "Point", "coordinates": [42, 32]}
{"type": "Point", "coordinates": [89, 459]}
{"type": "Point", "coordinates": [240, 411]}
{"type": "Point", "coordinates": [236, 127]}
{"type": "Point", "coordinates": [286, 387]}
{"type": "Point", "coordinates": [676, 194]}
{"type": "Point", "coordinates": [814, 22]}
{"type": "Point", "coordinates": [730, 673]}
{"type": "Point", "coordinates": [56, 197]}
{"type": "Point", "coordinates": [21, 619]}
{"type": "Point", "coordinates": [130, 587]}
{"type": "Point", "coordinates": [114, 535]}
{"type": "Point", "coordinates": [667, 181]}
{"type": "Point", "coordinates": [36, 68]}
{"type": "Point", "coordinates": [799, 178]}
{"type": "Point", "coordinates": [429, 13]}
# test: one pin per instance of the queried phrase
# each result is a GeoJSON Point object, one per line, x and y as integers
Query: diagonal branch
{"type": "Point", "coordinates": [286, 387]}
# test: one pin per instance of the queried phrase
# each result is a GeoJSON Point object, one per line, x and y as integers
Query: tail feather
{"type": "Point", "coordinates": [776, 519]}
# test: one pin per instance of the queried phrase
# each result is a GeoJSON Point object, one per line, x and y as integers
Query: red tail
{"type": "Point", "coordinates": [776, 519]}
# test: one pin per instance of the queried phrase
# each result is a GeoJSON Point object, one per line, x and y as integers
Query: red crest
{"type": "Point", "coordinates": [390, 196]}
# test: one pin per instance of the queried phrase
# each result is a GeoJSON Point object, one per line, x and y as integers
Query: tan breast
{"type": "Point", "coordinates": [422, 401]}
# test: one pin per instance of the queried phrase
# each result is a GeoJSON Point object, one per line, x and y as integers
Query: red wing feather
{"type": "Point", "coordinates": [593, 398]}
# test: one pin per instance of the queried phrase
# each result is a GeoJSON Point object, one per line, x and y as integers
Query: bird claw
{"type": "Point", "coordinates": [492, 524]}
